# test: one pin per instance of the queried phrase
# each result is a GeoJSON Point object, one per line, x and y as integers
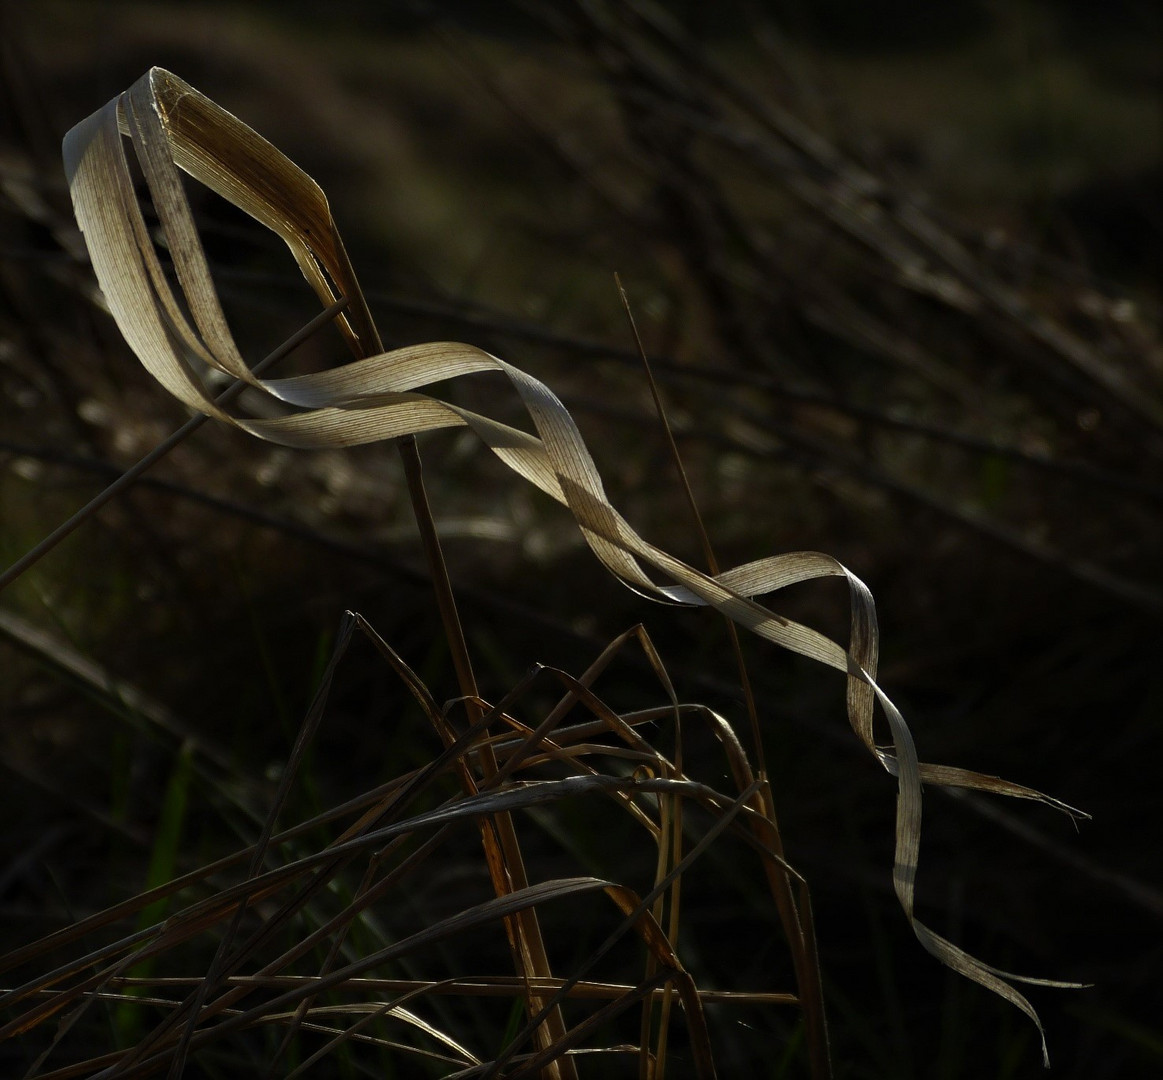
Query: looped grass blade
{"type": "Point", "coordinates": [380, 396]}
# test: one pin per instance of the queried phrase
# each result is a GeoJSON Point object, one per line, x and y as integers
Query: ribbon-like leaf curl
{"type": "Point", "coordinates": [172, 126]}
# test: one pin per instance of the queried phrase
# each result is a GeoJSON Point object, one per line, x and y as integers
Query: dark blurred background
{"type": "Point", "coordinates": [898, 269]}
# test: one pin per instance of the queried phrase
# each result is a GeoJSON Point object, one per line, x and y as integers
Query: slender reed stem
{"type": "Point", "coordinates": [796, 920]}
{"type": "Point", "coordinates": [700, 527]}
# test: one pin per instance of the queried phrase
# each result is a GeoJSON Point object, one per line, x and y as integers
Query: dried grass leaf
{"type": "Point", "coordinates": [377, 397]}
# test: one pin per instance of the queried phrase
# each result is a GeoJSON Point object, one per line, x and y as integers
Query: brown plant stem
{"type": "Point", "coordinates": [502, 851]}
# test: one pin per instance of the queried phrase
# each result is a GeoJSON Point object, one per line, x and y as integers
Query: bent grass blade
{"type": "Point", "coordinates": [380, 396]}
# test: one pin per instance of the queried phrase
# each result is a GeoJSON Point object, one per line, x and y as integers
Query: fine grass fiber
{"type": "Point", "coordinates": [453, 918]}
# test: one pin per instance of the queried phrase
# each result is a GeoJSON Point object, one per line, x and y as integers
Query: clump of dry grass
{"type": "Point", "coordinates": [300, 896]}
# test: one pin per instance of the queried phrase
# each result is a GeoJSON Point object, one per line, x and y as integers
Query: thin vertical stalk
{"type": "Point", "coordinates": [798, 930]}
{"type": "Point", "coordinates": [502, 850]}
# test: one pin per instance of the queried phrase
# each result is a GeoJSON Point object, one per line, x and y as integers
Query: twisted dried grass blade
{"type": "Point", "coordinates": [173, 126]}
{"type": "Point", "coordinates": [376, 398]}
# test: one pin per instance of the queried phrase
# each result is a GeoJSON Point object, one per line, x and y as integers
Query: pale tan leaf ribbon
{"type": "Point", "coordinates": [376, 397]}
